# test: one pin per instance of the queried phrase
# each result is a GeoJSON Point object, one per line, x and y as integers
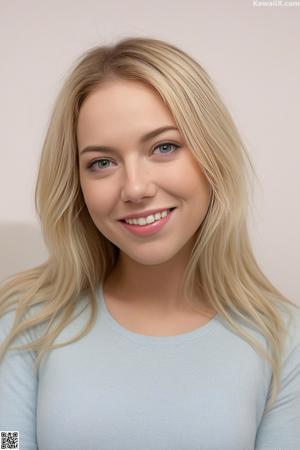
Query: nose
{"type": "Point", "coordinates": [137, 183]}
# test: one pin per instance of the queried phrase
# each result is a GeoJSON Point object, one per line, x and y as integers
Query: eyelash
{"type": "Point", "coordinates": [90, 166]}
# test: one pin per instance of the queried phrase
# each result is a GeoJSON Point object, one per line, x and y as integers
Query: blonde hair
{"type": "Point", "coordinates": [222, 267]}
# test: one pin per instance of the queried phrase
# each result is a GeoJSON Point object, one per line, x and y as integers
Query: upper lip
{"type": "Point", "coordinates": [145, 213]}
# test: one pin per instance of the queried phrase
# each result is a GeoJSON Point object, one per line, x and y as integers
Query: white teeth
{"type": "Point", "coordinates": [148, 219]}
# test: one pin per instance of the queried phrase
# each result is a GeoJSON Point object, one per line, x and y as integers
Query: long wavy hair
{"type": "Point", "coordinates": [222, 267]}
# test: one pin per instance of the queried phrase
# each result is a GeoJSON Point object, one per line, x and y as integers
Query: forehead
{"type": "Point", "coordinates": [120, 107]}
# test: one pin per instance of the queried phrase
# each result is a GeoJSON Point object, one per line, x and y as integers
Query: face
{"type": "Point", "coordinates": [135, 174]}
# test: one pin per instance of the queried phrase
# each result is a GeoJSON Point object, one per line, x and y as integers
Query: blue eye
{"type": "Point", "coordinates": [93, 164]}
{"type": "Point", "coordinates": [167, 144]}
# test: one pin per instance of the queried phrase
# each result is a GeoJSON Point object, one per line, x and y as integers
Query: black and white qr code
{"type": "Point", "coordinates": [10, 439]}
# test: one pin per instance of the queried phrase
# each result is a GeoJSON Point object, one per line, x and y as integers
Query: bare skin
{"type": "Point", "coordinates": [133, 315]}
{"type": "Point", "coordinates": [144, 291]}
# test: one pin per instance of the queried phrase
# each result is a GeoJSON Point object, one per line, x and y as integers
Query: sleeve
{"type": "Point", "coordinates": [18, 388]}
{"type": "Point", "coordinates": [280, 427]}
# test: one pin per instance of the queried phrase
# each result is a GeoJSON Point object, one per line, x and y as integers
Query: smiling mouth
{"type": "Point", "coordinates": [170, 209]}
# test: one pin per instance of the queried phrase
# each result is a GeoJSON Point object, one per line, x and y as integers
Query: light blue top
{"type": "Point", "coordinates": [115, 389]}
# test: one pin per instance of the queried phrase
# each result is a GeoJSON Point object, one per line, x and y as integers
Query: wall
{"type": "Point", "coordinates": [251, 52]}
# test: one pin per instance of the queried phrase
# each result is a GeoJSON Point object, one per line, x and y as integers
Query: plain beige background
{"type": "Point", "coordinates": [251, 52]}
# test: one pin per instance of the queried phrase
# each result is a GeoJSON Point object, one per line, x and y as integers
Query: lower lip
{"type": "Point", "coordinates": [151, 228]}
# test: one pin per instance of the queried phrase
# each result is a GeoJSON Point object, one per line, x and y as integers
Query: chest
{"type": "Point", "coordinates": [110, 394]}
{"type": "Point", "coordinates": [150, 323]}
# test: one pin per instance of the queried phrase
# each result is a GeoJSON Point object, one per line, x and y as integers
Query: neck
{"type": "Point", "coordinates": [155, 288]}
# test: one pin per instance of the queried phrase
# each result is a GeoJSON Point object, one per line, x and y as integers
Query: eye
{"type": "Point", "coordinates": [92, 168]}
{"type": "Point", "coordinates": [166, 145]}
{"type": "Point", "coordinates": [95, 165]}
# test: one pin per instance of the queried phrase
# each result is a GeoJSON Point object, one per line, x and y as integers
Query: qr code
{"type": "Point", "coordinates": [10, 439]}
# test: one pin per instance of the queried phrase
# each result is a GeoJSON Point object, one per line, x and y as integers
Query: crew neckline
{"type": "Point", "coordinates": [203, 330]}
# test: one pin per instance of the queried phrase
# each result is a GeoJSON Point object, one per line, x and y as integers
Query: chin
{"type": "Point", "coordinates": [150, 258]}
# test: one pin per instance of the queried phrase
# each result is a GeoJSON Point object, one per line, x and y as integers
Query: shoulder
{"type": "Point", "coordinates": [8, 321]}
{"type": "Point", "coordinates": [292, 320]}
{"type": "Point", "coordinates": [290, 313]}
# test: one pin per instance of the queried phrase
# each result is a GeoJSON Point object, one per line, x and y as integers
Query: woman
{"type": "Point", "coordinates": [151, 325]}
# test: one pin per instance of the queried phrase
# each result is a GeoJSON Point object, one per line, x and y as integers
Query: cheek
{"type": "Point", "coordinates": [97, 199]}
{"type": "Point", "coordinates": [199, 186]}
{"type": "Point", "coordinates": [191, 181]}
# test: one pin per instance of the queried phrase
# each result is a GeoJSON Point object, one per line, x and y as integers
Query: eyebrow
{"type": "Point", "coordinates": [147, 137]}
